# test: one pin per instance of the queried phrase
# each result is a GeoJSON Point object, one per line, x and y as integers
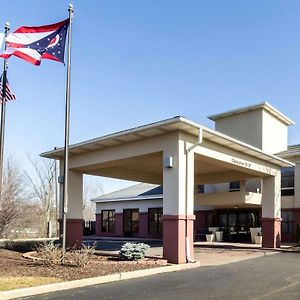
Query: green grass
{"type": "Point", "coordinates": [10, 283]}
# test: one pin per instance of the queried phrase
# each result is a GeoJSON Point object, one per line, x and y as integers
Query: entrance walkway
{"type": "Point", "coordinates": [209, 254]}
{"type": "Point", "coordinates": [222, 256]}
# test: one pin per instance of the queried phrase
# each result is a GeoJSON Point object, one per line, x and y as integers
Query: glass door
{"type": "Point", "coordinates": [223, 225]}
{"type": "Point", "coordinates": [243, 227]}
{"type": "Point", "coordinates": [232, 227]}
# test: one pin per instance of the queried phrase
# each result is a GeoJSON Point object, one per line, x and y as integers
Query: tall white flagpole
{"type": "Point", "coordinates": [67, 129]}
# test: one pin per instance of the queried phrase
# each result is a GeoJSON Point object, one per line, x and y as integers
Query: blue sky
{"type": "Point", "coordinates": [135, 62]}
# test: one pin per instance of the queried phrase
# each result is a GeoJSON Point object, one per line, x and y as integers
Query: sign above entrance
{"type": "Point", "coordinates": [241, 163]}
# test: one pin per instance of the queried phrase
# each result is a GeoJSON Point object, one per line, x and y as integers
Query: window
{"type": "Point", "coordinates": [212, 219]}
{"type": "Point", "coordinates": [287, 181]}
{"type": "Point", "coordinates": [155, 220]}
{"type": "Point", "coordinates": [131, 221]}
{"type": "Point", "coordinates": [287, 223]}
{"type": "Point", "coordinates": [108, 220]}
{"type": "Point", "coordinates": [200, 189]}
{"type": "Point", "coordinates": [234, 186]}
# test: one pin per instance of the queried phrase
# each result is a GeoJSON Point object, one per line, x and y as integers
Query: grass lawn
{"type": "Point", "coordinates": [10, 283]}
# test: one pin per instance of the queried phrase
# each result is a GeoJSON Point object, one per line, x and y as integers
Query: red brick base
{"type": "Point", "coordinates": [271, 232]}
{"type": "Point", "coordinates": [74, 232]}
{"type": "Point", "coordinates": [174, 233]}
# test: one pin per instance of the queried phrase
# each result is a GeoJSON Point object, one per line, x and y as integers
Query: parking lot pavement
{"type": "Point", "coordinates": [262, 278]}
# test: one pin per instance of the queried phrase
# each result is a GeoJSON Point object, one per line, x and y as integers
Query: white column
{"type": "Point", "coordinates": [271, 196]}
{"type": "Point", "coordinates": [178, 201]}
{"type": "Point", "coordinates": [75, 205]}
{"type": "Point", "coordinates": [75, 190]}
{"type": "Point", "coordinates": [271, 211]}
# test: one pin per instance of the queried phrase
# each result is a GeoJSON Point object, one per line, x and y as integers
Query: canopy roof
{"type": "Point", "coordinates": [162, 127]}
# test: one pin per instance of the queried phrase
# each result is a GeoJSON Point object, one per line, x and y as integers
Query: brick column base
{"type": "Point", "coordinates": [174, 233]}
{"type": "Point", "coordinates": [74, 232]}
{"type": "Point", "coordinates": [271, 232]}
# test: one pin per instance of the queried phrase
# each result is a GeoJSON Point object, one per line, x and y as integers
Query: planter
{"type": "Point", "coordinates": [258, 239]}
{"type": "Point", "coordinates": [213, 230]}
{"type": "Point", "coordinates": [219, 236]}
{"type": "Point", "coordinates": [210, 238]}
{"type": "Point", "coordinates": [254, 232]}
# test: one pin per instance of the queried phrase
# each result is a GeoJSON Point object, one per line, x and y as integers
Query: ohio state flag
{"type": "Point", "coordinates": [36, 43]}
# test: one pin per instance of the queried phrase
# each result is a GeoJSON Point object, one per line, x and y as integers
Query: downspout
{"type": "Point", "coordinates": [187, 240]}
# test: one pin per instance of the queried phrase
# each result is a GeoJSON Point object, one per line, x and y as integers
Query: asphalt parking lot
{"type": "Point", "coordinates": [274, 276]}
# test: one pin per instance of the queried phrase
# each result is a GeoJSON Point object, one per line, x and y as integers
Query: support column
{"type": "Point", "coordinates": [178, 203]}
{"type": "Point", "coordinates": [297, 201]}
{"type": "Point", "coordinates": [75, 221]}
{"type": "Point", "coordinates": [271, 211]}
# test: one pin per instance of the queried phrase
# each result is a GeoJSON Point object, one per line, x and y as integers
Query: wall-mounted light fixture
{"type": "Point", "coordinates": [168, 162]}
{"type": "Point", "coordinates": [60, 179]}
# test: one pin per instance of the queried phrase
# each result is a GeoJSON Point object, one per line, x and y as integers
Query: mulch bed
{"type": "Point", "coordinates": [13, 264]}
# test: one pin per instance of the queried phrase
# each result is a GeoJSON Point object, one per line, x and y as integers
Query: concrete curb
{"type": "Point", "coordinates": [54, 287]}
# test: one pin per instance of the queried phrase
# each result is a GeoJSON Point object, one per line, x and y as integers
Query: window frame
{"type": "Point", "coordinates": [134, 224]}
{"type": "Point", "coordinates": [158, 222]}
{"type": "Point", "coordinates": [234, 186]}
{"type": "Point", "coordinates": [289, 221]}
{"type": "Point", "coordinates": [288, 181]}
{"type": "Point", "coordinates": [111, 218]}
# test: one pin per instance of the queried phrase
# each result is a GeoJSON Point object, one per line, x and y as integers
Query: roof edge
{"type": "Point", "coordinates": [146, 197]}
{"type": "Point", "coordinates": [264, 105]}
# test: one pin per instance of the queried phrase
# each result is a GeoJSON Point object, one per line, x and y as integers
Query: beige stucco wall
{"type": "Point", "coordinates": [226, 199]}
{"type": "Point", "coordinates": [275, 134]}
{"type": "Point", "coordinates": [246, 127]}
{"type": "Point", "coordinates": [287, 201]}
{"type": "Point", "coordinates": [258, 128]}
{"type": "Point", "coordinates": [118, 206]}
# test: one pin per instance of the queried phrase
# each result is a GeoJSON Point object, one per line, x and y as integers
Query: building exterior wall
{"type": "Point", "coordinates": [246, 127]}
{"type": "Point", "coordinates": [141, 205]}
{"type": "Point", "coordinates": [256, 128]}
{"type": "Point", "coordinates": [269, 126]}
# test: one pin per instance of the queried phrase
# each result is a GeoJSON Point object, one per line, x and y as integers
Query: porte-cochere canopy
{"type": "Point", "coordinates": [138, 154]}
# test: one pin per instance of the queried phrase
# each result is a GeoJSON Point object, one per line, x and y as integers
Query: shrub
{"type": "Point", "coordinates": [50, 254]}
{"type": "Point", "coordinates": [22, 245]}
{"type": "Point", "coordinates": [133, 251]}
{"type": "Point", "coordinates": [82, 257]}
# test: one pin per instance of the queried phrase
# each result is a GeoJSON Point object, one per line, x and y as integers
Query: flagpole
{"type": "Point", "coordinates": [3, 110]}
{"type": "Point", "coordinates": [67, 129]}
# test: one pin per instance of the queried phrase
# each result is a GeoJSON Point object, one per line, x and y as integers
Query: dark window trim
{"type": "Point", "coordinates": [110, 220]}
{"type": "Point", "coordinates": [289, 221]}
{"type": "Point", "coordinates": [158, 222]}
{"type": "Point", "coordinates": [131, 220]}
{"type": "Point", "coordinates": [234, 186]}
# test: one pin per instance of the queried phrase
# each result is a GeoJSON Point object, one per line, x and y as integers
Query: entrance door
{"type": "Point", "coordinates": [232, 227]}
{"type": "Point", "coordinates": [243, 227]}
{"type": "Point", "coordinates": [223, 225]}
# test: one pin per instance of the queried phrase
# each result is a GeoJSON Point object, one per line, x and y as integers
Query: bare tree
{"type": "Point", "coordinates": [91, 188]}
{"type": "Point", "coordinates": [41, 185]}
{"type": "Point", "coordinates": [12, 197]}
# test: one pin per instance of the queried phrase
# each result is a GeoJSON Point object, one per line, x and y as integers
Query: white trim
{"type": "Point", "coordinates": [147, 197]}
{"type": "Point", "coordinates": [207, 132]}
{"type": "Point", "coordinates": [265, 105]}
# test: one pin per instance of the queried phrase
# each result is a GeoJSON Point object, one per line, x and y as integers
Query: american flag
{"type": "Point", "coordinates": [8, 95]}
